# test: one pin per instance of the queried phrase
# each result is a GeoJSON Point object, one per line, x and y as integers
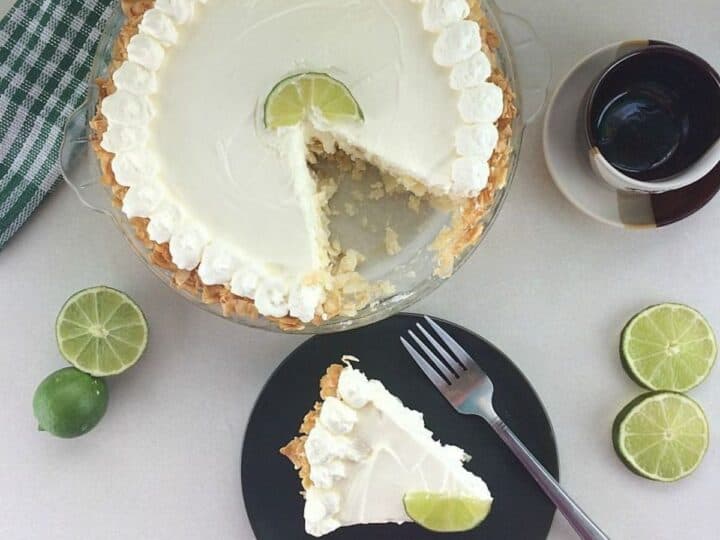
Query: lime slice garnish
{"type": "Point", "coordinates": [668, 347]}
{"type": "Point", "coordinates": [661, 436]}
{"type": "Point", "coordinates": [69, 403]}
{"type": "Point", "coordinates": [101, 331]}
{"type": "Point", "coordinates": [445, 513]}
{"type": "Point", "coordinates": [293, 98]}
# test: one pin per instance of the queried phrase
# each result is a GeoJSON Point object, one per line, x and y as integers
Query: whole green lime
{"type": "Point", "coordinates": [69, 403]}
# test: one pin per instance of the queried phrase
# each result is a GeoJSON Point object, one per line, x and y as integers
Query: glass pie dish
{"type": "Point", "coordinates": [411, 271]}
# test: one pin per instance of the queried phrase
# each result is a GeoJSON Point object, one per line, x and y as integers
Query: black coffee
{"type": "Point", "coordinates": [641, 129]}
{"type": "Point", "coordinates": [655, 112]}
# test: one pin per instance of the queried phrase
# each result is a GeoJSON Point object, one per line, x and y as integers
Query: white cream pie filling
{"type": "Point", "coordinates": [237, 199]}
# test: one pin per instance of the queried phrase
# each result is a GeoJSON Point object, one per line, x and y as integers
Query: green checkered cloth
{"type": "Point", "coordinates": [46, 49]}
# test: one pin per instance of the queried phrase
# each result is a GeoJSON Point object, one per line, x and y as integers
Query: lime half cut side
{"type": "Point", "coordinates": [662, 436]}
{"type": "Point", "coordinates": [294, 98]}
{"type": "Point", "coordinates": [101, 331]}
{"type": "Point", "coordinates": [446, 513]}
{"type": "Point", "coordinates": [668, 347]}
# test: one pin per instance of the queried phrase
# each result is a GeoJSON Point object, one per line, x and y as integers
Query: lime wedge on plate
{"type": "Point", "coordinates": [101, 331]}
{"type": "Point", "coordinates": [445, 513]}
{"type": "Point", "coordinates": [662, 436]}
{"type": "Point", "coordinates": [290, 101]}
{"type": "Point", "coordinates": [69, 403]}
{"type": "Point", "coordinates": [668, 347]}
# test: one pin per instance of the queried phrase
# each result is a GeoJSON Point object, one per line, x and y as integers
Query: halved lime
{"type": "Point", "coordinates": [293, 98]}
{"type": "Point", "coordinates": [69, 403]}
{"type": "Point", "coordinates": [662, 436]}
{"type": "Point", "coordinates": [440, 512]}
{"type": "Point", "coordinates": [101, 331]}
{"type": "Point", "coordinates": [668, 347]}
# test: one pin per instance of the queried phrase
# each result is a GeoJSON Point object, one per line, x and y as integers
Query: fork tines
{"type": "Point", "coordinates": [442, 367]}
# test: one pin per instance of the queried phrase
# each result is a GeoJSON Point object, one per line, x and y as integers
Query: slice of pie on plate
{"type": "Point", "coordinates": [361, 452]}
{"type": "Point", "coordinates": [217, 113]}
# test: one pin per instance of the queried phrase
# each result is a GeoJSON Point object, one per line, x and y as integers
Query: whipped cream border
{"type": "Point", "coordinates": [129, 112]}
{"type": "Point", "coordinates": [480, 103]}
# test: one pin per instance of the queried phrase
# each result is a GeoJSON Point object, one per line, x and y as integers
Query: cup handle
{"type": "Point", "coordinates": [532, 63]}
{"type": "Point", "coordinates": [79, 165]}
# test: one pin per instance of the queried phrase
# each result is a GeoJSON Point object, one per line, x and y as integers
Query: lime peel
{"type": "Point", "coordinates": [441, 512]}
{"type": "Point", "coordinates": [69, 403]}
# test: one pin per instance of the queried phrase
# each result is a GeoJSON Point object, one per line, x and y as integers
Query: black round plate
{"type": "Point", "coordinates": [271, 487]}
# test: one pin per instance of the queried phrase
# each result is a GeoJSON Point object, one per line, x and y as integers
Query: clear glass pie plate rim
{"type": "Point", "coordinates": [525, 63]}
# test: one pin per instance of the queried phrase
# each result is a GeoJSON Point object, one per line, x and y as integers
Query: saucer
{"type": "Point", "coordinates": [566, 153]}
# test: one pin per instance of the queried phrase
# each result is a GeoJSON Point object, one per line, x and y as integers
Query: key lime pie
{"type": "Point", "coordinates": [217, 112]}
{"type": "Point", "coordinates": [363, 457]}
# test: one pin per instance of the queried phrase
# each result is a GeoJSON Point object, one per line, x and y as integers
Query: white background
{"type": "Point", "coordinates": [549, 286]}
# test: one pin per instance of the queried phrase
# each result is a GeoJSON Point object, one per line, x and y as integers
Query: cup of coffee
{"type": "Point", "coordinates": [653, 120]}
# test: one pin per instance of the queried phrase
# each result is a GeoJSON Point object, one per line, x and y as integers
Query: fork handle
{"type": "Point", "coordinates": [579, 520]}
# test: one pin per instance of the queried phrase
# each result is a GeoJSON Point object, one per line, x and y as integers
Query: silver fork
{"type": "Point", "coordinates": [470, 391]}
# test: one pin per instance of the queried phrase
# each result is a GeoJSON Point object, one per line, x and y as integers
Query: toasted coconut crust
{"type": "Point", "coordinates": [295, 449]}
{"type": "Point", "coordinates": [464, 231]}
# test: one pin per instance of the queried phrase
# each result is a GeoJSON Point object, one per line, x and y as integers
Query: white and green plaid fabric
{"type": "Point", "coordinates": [46, 49]}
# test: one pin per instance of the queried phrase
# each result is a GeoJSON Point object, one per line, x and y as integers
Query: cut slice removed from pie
{"type": "Point", "coordinates": [363, 457]}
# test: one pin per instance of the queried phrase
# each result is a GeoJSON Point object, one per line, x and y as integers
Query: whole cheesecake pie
{"type": "Point", "coordinates": [221, 118]}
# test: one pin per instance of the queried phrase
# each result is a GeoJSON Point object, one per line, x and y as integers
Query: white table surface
{"type": "Point", "coordinates": [549, 286]}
